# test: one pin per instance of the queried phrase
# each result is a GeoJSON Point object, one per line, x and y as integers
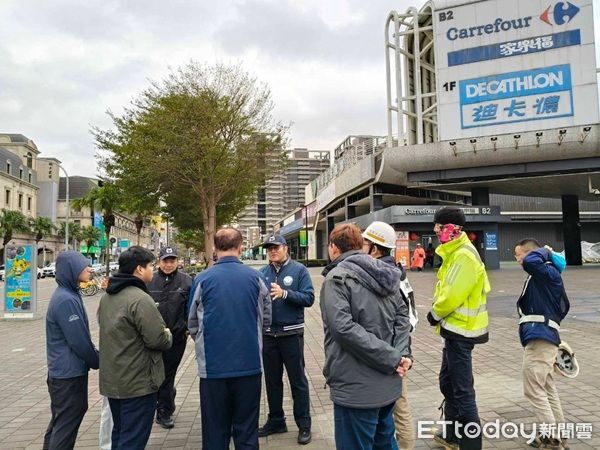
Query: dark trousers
{"type": "Point", "coordinates": [286, 351]}
{"type": "Point", "coordinates": [364, 429]}
{"type": "Point", "coordinates": [167, 392]}
{"type": "Point", "coordinates": [68, 404]}
{"type": "Point", "coordinates": [132, 421]}
{"type": "Point", "coordinates": [457, 386]}
{"type": "Point", "coordinates": [230, 405]}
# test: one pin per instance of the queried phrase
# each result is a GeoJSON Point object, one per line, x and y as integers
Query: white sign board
{"type": "Point", "coordinates": [506, 66]}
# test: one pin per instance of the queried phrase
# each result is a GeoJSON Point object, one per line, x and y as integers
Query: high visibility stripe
{"type": "Point", "coordinates": [471, 312]}
{"type": "Point", "coordinates": [375, 237]}
{"type": "Point", "coordinates": [462, 331]}
{"type": "Point", "coordinates": [453, 273]}
{"type": "Point", "coordinates": [537, 318]}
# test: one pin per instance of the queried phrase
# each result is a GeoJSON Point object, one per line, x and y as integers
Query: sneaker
{"type": "Point", "coordinates": [445, 442]}
{"type": "Point", "coordinates": [270, 428]}
{"type": "Point", "coordinates": [165, 421]}
{"type": "Point", "coordinates": [304, 436]}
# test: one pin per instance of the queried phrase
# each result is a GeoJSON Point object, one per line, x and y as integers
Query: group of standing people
{"type": "Point", "coordinates": [143, 330]}
{"type": "Point", "coordinates": [245, 322]}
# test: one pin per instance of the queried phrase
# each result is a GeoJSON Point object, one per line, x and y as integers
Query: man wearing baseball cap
{"type": "Point", "coordinates": [283, 342]}
{"type": "Point", "coordinates": [170, 289]}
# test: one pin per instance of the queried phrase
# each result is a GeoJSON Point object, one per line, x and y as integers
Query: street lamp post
{"type": "Point", "coordinates": [68, 208]}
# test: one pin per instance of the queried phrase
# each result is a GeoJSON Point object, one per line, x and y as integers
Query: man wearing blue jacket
{"type": "Point", "coordinates": [291, 291]}
{"type": "Point", "coordinates": [230, 307]}
{"type": "Point", "coordinates": [541, 306]}
{"type": "Point", "coordinates": [70, 352]}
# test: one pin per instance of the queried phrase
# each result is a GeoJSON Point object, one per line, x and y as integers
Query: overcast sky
{"type": "Point", "coordinates": [66, 62]}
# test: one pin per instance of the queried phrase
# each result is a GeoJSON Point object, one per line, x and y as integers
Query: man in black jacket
{"type": "Point", "coordinates": [170, 289]}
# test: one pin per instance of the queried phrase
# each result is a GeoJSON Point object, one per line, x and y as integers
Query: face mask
{"type": "Point", "coordinates": [448, 233]}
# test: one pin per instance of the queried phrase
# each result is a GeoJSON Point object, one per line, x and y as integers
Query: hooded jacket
{"type": "Point", "coordinates": [132, 338]}
{"type": "Point", "coordinates": [366, 330]}
{"type": "Point", "coordinates": [69, 348]}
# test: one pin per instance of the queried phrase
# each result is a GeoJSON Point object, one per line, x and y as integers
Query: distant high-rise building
{"type": "Point", "coordinates": [303, 167]}
{"type": "Point", "coordinates": [283, 192]}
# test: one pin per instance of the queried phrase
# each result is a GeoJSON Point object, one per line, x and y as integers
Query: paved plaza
{"type": "Point", "coordinates": [25, 412]}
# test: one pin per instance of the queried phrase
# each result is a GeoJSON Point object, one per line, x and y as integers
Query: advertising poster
{"type": "Point", "coordinates": [20, 276]}
{"type": "Point", "coordinates": [402, 250]}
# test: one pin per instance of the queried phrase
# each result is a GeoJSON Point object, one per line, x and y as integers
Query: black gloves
{"type": "Point", "coordinates": [431, 319]}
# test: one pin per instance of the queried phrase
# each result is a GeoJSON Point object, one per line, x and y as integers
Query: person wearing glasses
{"type": "Point", "coordinates": [283, 342]}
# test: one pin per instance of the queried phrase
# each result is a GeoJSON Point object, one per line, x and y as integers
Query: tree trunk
{"type": "Point", "coordinates": [108, 247]}
{"type": "Point", "coordinates": [209, 216]}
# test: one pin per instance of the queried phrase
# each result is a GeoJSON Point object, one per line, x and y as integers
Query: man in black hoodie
{"type": "Point", "coordinates": [170, 289]}
{"type": "Point", "coordinates": [366, 341]}
{"type": "Point", "coordinates": [70, 351]}
{"type": "Point", "coordinates": [133, 336]}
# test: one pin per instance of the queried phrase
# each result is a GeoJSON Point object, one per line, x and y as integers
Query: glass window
{"type": "Point", "coordinates": [7, 197]}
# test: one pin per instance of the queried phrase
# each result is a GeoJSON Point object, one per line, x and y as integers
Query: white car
{"type": "Point", "coordinates": [40, 273]}
{"type": "Point", "coordinates": [113, 266]}
{"type": "Point", "coordinates": [49, 270]}
{"type": "Point", "coordinates": [98, 269]}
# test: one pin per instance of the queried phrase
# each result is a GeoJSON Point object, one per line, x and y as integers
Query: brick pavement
{"type": "Point", "coordinates": [24, 412]}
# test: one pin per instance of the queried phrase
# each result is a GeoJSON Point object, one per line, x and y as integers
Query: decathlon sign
{"type": "Point", "coordinates": [481, 57]}
{"type": "Point", "coordinates": [516, 97]}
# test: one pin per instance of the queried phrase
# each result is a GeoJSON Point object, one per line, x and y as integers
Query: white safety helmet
{"type": "Point", "coordinates": [566, 364]}
{"type": "Point", "coordinates": [380, 233]}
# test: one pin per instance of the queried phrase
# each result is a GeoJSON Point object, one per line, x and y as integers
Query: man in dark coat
{"type": "Point", "coordinates": [170, 289]}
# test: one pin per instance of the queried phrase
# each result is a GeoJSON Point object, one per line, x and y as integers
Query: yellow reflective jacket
{"type": "Point", "coordinates": [460, 293]}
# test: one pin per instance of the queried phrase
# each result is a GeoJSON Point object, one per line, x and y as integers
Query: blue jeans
{"type": "Point", "coordinates": [364, 429]}
{"type": "Point", "coordinates": [133, 418]}
{"type": "Point", "coordinates": [457, 386]}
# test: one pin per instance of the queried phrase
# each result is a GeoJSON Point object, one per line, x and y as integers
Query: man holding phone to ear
{"type": "Point", "coordinates": [460, 316]}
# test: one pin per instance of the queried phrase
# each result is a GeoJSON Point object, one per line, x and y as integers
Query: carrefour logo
{"type": "Point", "coordinates": [562, 13]}
{"type": "Point", "coordinates": [559, 14]}
{"type": "Point", "coordinates": [496, 26]}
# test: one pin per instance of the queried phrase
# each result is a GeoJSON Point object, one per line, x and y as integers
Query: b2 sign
{"type": "Point", "coordinates": [506, 66]}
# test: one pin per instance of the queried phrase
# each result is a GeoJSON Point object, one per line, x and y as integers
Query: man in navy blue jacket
{"type": "Point", "coordinates": [542, 305]}
{"type": "Point", "coordinates": [291, 291]}
{"type": "Point", "coordinates": [230, 307]}
{"type": "Point", "coordinates": [70, 352]}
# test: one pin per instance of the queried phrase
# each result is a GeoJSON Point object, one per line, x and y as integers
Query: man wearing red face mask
{"type": "Point", "coordinates": [460, 316]}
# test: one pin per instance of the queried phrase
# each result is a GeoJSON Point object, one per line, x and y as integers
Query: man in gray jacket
{"type": "Point", "coordinates": [367, 351]}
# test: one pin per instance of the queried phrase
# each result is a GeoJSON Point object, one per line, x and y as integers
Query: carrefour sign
{"type": "Point", "coordinates": [530, 67]}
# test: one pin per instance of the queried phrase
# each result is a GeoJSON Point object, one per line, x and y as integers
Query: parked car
{"type": "Point", "coordinates": [98, 269]}
{"type": "Point", "coordinates": [40, 273]}
{"type": "Point", "coordinates": [113, 266]}
{"type": "Point", "coordinates": [49, 270]}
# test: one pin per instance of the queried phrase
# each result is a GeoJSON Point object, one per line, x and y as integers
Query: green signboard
{"type": "Point", "coordinates": [303, 238]}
